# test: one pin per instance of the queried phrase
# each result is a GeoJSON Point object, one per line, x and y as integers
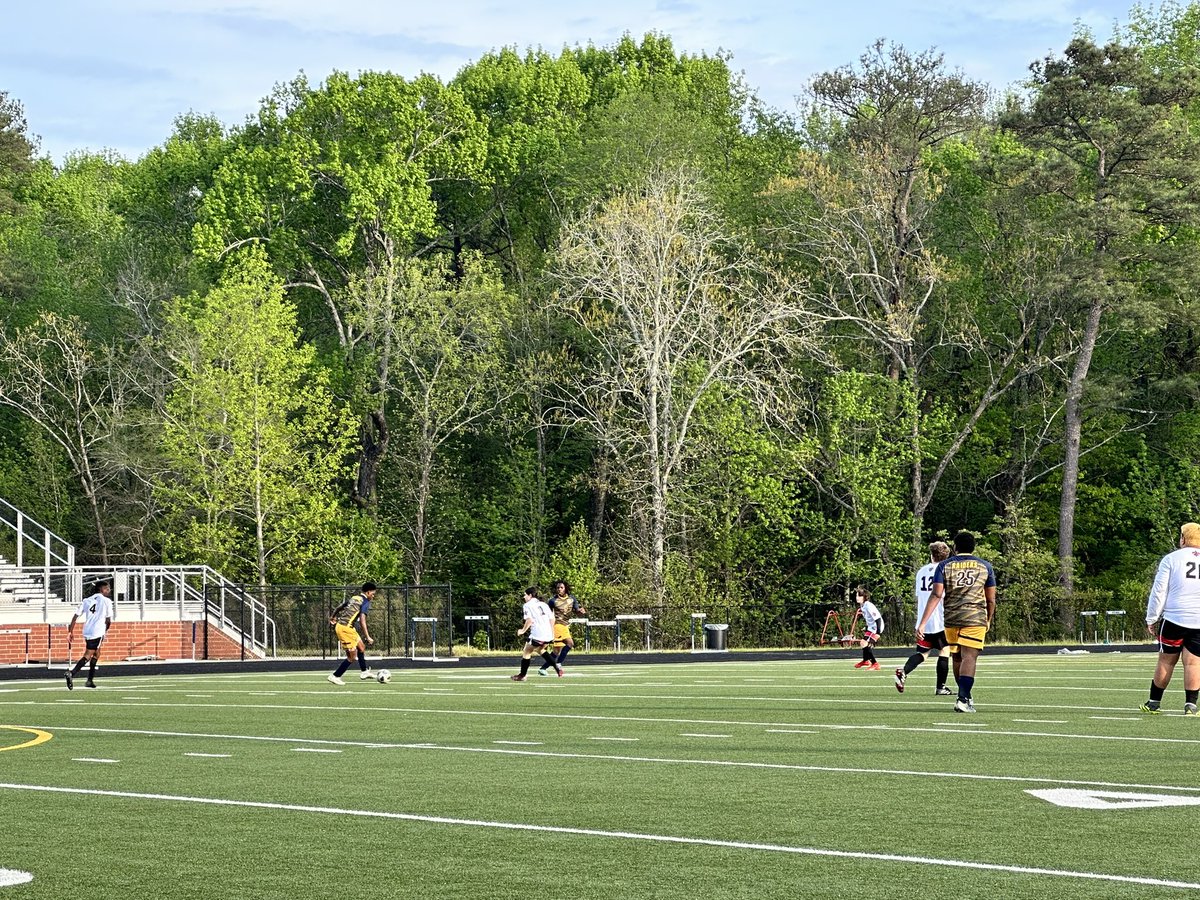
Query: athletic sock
{"type": "Point", "coordinates": [870, 655]}
{"type": "Point", "coordinates": [92, 667]}
{"type": "Point", "coordinates": [1156, 692]}
{"type": "Point", "coordinates": [1190, 696]}
{"type": "Point", "coordinates": [965, 683]}
{"type": "Point", "coordinates": [866, 654]}
{"type": "Point", "coordinates": [943, 671]}
{"type": "Point", "coordinates": [342, 667]}
{"type": "Point", "coordinates": [912, 662]}
{"type": "Point", "coordinates": [524, 665]}
{"type": "Point", "coordinates": [562, 654]}
{"type": "Point", "coordinates": [362, 661]}
{"type": "Point", "coordinates": [79, 665]}
{"type": "Point", "coordinates": [550, 664]}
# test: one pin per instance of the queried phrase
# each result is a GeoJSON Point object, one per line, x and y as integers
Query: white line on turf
{"type": "Point", "coordinates": [210, 755]}
{"type": "Point", "coordinates": [788, 731]}
{"type": "Point", "coordinates": [958, 724]}
{"type": "Point", "coordinates": [1058, 735]}
{"type": "Point", "coordinates": [520, 743]}
{"type": "Point", "coordinates": [92, 759]}
{"type": "Point", "coordinates": [314, 750]}
{"type": "Point", "coordinates": [12, 877]}
{"type": "Point", "coordinates": [616, 835]}
{"type": "Point", "coordinates": [693, 734]}
{"type": "Point", "coordinates": [612, 739]}
{"type": "Point", "coordinates": [548, 754]}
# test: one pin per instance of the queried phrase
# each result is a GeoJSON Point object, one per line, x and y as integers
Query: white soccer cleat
{"type": "Point", "coordinates": [964, 706]}
{"type": "Point", "coordinates": [365, 676]}
{"type": "Point", "coordinates": [333, 679]}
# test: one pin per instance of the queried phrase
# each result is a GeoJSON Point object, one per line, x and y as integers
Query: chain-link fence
{"type": "Point", "coordinates": [399, 615]}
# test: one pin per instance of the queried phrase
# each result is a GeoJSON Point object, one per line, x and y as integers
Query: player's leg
{"type": "Point", "coordinates": [1170, 646]}
{"type": "Point", "coordinates": [363, 671]}
{"type": "Point", "coordinates": [909, 667]}
{"type": "Point", "coordinates": [93, 660]}
{"type": "Point", "coordinates": [567, 647]}
{"type": "Point", "coordinates": [943, 670]}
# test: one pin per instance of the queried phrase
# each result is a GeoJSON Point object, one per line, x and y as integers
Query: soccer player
{"type": "Point", "coordinates": [964, 586]}
{"type": "Point", "coordinates": [353, 612]}
{"type": "Point", "coordinates": [565, 606]}
{"type": "Point", "coordinates": [935, 634]}
{"type": "Point", "coordinates": [539, 622]}
{"type": "Point", "coordinates": [1173, 619]}
{"type": "Point", "coordinates": [97, 611]}
{"type": "Point", "coordinates": [873, 628]}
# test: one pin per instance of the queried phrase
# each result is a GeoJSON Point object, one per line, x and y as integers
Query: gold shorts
{"type": "Point", "coordinates": [562, 634]}
{"type": "Point", "coordinates": [346, 636]}
{"type": "Point", "coordinates": [966, 636]}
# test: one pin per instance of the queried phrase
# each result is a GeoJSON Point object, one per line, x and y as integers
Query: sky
{"type": "Point", "coordinates": [114, 75]}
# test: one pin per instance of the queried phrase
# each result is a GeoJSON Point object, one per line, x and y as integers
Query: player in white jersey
{"type": "Point", "coordinates": [873, 628]}
{"type": "Point", "coordinates": [1173, 619]}
{"type": "Point", "coordinates": [539, 622]}
{"type": "Point", "coordinates": [935, 629]}
{"type": "Point", "coordinates": [97, 612]}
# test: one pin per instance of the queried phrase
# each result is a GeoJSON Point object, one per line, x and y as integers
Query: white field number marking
{"type": "Point", "coordinates": [1073, 798]}
{"type": "Point", "coordinates": [12, 877]}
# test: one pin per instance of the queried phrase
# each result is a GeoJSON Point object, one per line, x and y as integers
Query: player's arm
{"type": "Point", "coordinates": [1158, 596]}
{"type": "Point", "coordinates": [935, 600]}
{"type": "Point", "coordinates": [71, 628]}
{"type": "Point", "coordinates": [362, 618]}
{"type": "Point", "coordinates": [989, 594]}
{"type": "Point", "coordinates": [525, 627]}
{"type": "Point", "coordinates": [337, 612]}
{"type": "Point", "coordinates": [579, 607]}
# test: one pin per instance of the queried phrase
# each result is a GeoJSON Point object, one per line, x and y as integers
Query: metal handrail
{"type": "Point", "coordinates": [156, 587]}
{"type": "Point", "coordinates": [20, 524]}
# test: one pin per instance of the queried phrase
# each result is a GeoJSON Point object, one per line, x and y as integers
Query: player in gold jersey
{"type": "Point", "coordinates": [565, 608]}
{"type": "Point", "coordinates": [353, 612]}
{"type": "Point", "coordinates": [965, 586]}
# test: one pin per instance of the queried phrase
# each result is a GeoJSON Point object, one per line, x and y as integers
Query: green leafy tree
{"type": "Point", "coordinates": [254, 440]}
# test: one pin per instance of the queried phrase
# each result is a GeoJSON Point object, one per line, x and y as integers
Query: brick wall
{"type": "Point", "coordinates": [162, 640]}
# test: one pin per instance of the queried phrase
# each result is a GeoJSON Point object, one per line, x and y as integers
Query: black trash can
{"type": "Point", "coordinates": [715, 637]}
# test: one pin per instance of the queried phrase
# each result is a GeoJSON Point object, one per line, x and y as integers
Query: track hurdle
{"type": "Point", "coordinates": [697, 622]}
{"type": "Point", "coordinates": [644, 618]}
{"type": "Point", "coordinates": [589, 624]}
{"type": "Point", "coordinates": [412, 635]}
{"type": "Point", "coordinates": [19, 631]}
{"type": "Point", "coordinates": [1111, 619]}
{"type": "Point", "coordinates": [474, 624]}
{"type": "Point", "coordinates": [1089, 617]}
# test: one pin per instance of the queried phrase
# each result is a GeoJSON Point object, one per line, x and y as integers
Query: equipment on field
{"type": "Point", "coordinates": [414, 622]}
{"type": "Point", "coordinates": [1113, 618]}
{"type": "Point", "coordinates": [1089, 620]}
{"type": "Point", "coordinates": [383, 676]}
{"type": "Point", "coordinates": [833, 633]}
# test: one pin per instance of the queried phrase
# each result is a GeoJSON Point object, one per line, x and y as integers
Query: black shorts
{"type": "Point", "coordinates": [538, 645]}
{"type": "Point", "coordinates": [92, 643]}
{"type": "Point", "coordinates": [1173, 638]}
{"type": "Point", "coordinates": [934, 640]}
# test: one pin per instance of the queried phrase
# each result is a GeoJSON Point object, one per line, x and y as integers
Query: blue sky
{"type": "Point", "coordinates": [115, 74]}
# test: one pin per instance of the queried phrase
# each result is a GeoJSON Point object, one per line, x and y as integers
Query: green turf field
{"type": "Point", "coordinates": [697, 780]}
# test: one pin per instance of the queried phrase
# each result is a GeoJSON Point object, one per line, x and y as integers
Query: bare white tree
{"type": "Point", "coordinates": [667, 307]}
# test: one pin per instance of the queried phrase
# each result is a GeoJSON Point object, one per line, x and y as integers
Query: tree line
{"type": "Point", "coordinates": [604, 315]}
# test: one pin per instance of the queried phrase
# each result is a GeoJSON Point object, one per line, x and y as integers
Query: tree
{"type": "Point", "coordinates": [1121, 158]}
{"type": "Point", "coordinates": [253, 437]}
{"type": "Point", "coordinates": [667, 307]}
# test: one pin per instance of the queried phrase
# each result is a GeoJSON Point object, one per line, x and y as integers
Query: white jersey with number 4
{"type": "Point", "coordinates": [1176, 592]}
{"type": "Point", "coordinates": [543, 621]}
{"type": "Point", "coordinates": [924, 587]}
{"type": "Point", "coordinates": [94, 610]}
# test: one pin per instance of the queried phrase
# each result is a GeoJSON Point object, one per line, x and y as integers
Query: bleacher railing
{"type": "Point", "coordinates": [33, 544]}
{"type": "Point", "coordinates": [151, 592]}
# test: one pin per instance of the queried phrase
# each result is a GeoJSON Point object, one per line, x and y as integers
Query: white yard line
{"type": "Point", "coordinates": [631, 740]}
{"type": "Point", "coordinates": [693, 734]}
{"type": "Point", "coordinates": [548, 754]}
{"type": "Point", "coordinates": [520, 743]}
{"type": "Point", "coordinates": [210, 755]}
{"type": "Point", "coordinates": [314, 750]}
{"type": "Point", "coordinates": [93, 759]}
{"type": "Point", "coordinates": [619, 835]}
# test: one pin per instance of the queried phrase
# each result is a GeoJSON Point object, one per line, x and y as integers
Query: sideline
{"type": "Point", "coordinates": [617, 835]}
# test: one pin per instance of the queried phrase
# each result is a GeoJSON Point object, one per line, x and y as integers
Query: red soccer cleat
{"type": "Point", "coordinates": [874, 667]}
{"type": "Point", "coordinates": [900, 679]}
{"type": "Point", "coordinates": [861, 665]}
{"type": "Point", "coordinates": [517, 677]}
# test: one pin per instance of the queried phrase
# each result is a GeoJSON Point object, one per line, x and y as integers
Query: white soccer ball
{"type": "Point", "coordinates": [383, 676]}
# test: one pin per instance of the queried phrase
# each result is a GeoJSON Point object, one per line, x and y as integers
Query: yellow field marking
{"type": "Point", "coordinates": [40, 737]}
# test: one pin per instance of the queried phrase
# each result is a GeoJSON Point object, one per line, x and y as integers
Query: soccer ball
{"type": "Point", "coordinates": [384, 676]}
